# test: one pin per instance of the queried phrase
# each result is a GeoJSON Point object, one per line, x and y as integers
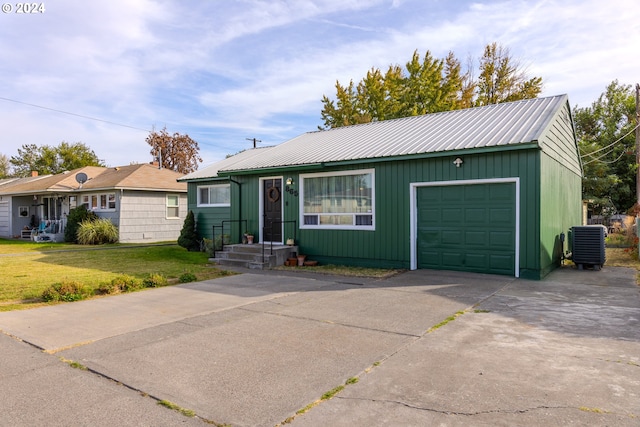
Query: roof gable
{"type": "Point", "coordinates": [498, 125]}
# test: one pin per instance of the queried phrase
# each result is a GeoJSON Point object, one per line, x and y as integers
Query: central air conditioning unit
{"type": "Point", "coordinates": [587, 245]}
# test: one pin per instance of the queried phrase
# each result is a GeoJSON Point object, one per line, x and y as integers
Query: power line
{"type": "Point", "coordinates": [73, 114]}
{"type": "Point", "coordinates": [604, 155]}
{"type": "Point", "coordinates": [613, 143]}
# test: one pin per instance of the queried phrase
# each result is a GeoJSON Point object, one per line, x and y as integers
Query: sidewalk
{"type": "Point", "coordinates": [254, 349]}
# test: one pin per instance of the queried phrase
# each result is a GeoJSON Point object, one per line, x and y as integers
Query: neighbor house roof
{"type": "Point", "coordinates": [499, 125]}
{"type": "Point", "coordinates": [131, 177]}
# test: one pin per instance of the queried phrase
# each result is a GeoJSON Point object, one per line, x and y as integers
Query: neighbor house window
{"type": "Point", "coordinates": [339, 200]}
{"type": "Point", "coordinates": [99, 202]}
{"type": "Point", "coordinates": [214, 195]}
{"type": "Point", "coordinates": [173, 206]}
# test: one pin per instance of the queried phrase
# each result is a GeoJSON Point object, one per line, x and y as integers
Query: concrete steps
{"type": "Point", "coordinates": [250, 256]}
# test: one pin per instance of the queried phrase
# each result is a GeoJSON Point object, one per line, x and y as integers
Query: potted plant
{"type": "Point", "coordinates": [290, 241]}
{"type": "Point", "coordinates": [301, 259]}
{"type": "Point", "coordinates": [249, 238]}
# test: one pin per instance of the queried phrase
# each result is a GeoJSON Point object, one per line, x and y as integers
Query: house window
{"type": "Point", "coordinates": [214, 195]}
{"type": "Point", "coordinates": [173, 206]}
{"type": "Point", "coordinates": [338, 200]}
{"type": "Point", "coordinates": [99, 202]}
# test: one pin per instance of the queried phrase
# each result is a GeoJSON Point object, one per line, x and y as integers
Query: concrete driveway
{"type": "Point", "coordinates": [425, 347]}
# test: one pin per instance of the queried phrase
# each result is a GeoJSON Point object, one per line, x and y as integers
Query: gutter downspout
{"type": "Point", "coordinates": [239, 184]}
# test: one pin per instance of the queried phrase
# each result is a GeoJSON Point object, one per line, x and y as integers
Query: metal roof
{"type": "Point", "coordinates": [211, 171]}
{"type": "Point", "coordinates": [497, 125]}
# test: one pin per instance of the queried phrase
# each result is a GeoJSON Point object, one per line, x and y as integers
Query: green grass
{"type": "Point", "coordinates": [445, 321]}
{"type": "Point", "coordinates": [74, 364]}
{"type": "Point", "coordinates": [28, 268]}
{"type": "Point", "coordinates": [619, 257]}
{"type": "Point", "coordinates": [174, 407]}
{"type": "Point", "coordinates": [326, 396]}
{"type": "Point", "coordinates": [339, 270]}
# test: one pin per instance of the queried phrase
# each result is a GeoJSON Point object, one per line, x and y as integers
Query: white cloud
{"type": "Point", "coordinates": [224, 71]}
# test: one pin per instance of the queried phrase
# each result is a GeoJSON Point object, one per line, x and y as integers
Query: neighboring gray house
{"type": "Point", "coordinates": [146, 203]}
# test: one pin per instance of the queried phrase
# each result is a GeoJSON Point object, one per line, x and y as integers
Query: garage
{"type": "Point", "coordinates": [470, 226]}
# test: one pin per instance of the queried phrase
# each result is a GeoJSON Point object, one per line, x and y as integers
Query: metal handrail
{"type": "Point", "coordinates": [213, 242]}
{"type": "Point", "coordinates": [271, 229]}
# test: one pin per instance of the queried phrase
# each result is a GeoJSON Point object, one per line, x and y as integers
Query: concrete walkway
{"type": "Point", "coordinates": [253, 349]}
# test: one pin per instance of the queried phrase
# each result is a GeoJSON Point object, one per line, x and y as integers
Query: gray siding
{"type": "Point", "coordinates": [143, 217]}
{"type": "Point", "coordinates": [5, 225]}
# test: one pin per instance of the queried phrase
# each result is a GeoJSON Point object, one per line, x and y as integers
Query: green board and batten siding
{"type": "Point", "coordinates": [560, 188]}
{"type": "Point", "coordinates": [206, 217]}
{"type": "Point", "coordinates": [530, 147]}
{"type": "Point", "coordinates": [390, 244]}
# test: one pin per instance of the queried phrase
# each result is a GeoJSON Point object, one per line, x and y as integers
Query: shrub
{"type": "Point", "coordinates": [126, 283]}
{"type": "Point", "coordinates": [220, 239]}
{"type": "Point", "coordinates": [209, 245]}
{"type": "Point", "coordinates": [187, 277]}
{"type": "Point", "coordinates": [74, 219]}
{"type": "Point", "coordinates": [97, 231]}
{"type": "Point", "coordinates": [66, 291]}
{"type": "Point", "coordinates": [188, 237]}
{"type": "Point", "coordinates": [108, 288]}
{"type": "Point", "coordinates": [154, 281]}
{"type": "Point", "coordinates": [633, 249]}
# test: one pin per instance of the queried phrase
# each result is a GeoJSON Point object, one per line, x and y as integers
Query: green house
{"type": "Point", "coordinates": [489, 189]}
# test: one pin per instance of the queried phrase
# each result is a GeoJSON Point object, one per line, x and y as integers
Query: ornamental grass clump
{"type": "Point", "coordinates": [74, 219]}
{"type": "Point", "coordinates": [97, 232]}
{"type": "Point", "coordinates": [66, 291]}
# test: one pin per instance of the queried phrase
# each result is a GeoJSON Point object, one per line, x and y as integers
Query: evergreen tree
{"type": "Point", "coordinates": [188, 237]}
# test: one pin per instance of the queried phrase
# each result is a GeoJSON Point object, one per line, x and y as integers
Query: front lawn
{"type": "Point", "coordinates": [28, 268]}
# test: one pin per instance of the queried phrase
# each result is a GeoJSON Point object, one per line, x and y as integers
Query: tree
{"type": "Point", "coordinates": [502, 79]}
{"type": "Point", "coordinates": [607, 147]}
{"type": "Point", "coordinates": [188, 237]}
{"type": "Point", "coordinates": [176, 152]}
{"type": "Point", "coordinates": [429, 85]}
{"type": "Point", "coordinates": [46, 159]}
{"type": "Point", "coordinates": [5, 171]}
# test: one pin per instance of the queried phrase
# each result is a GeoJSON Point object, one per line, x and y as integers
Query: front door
{"type": "Point", "coordinates": [272, 210]}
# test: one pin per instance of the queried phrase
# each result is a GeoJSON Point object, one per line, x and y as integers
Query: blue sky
{"type": "Point", "coordinates": [223, 71]}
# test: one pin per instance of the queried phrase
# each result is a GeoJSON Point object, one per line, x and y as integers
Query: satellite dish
{"type": "Point", "coordinates": [81, 177]}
